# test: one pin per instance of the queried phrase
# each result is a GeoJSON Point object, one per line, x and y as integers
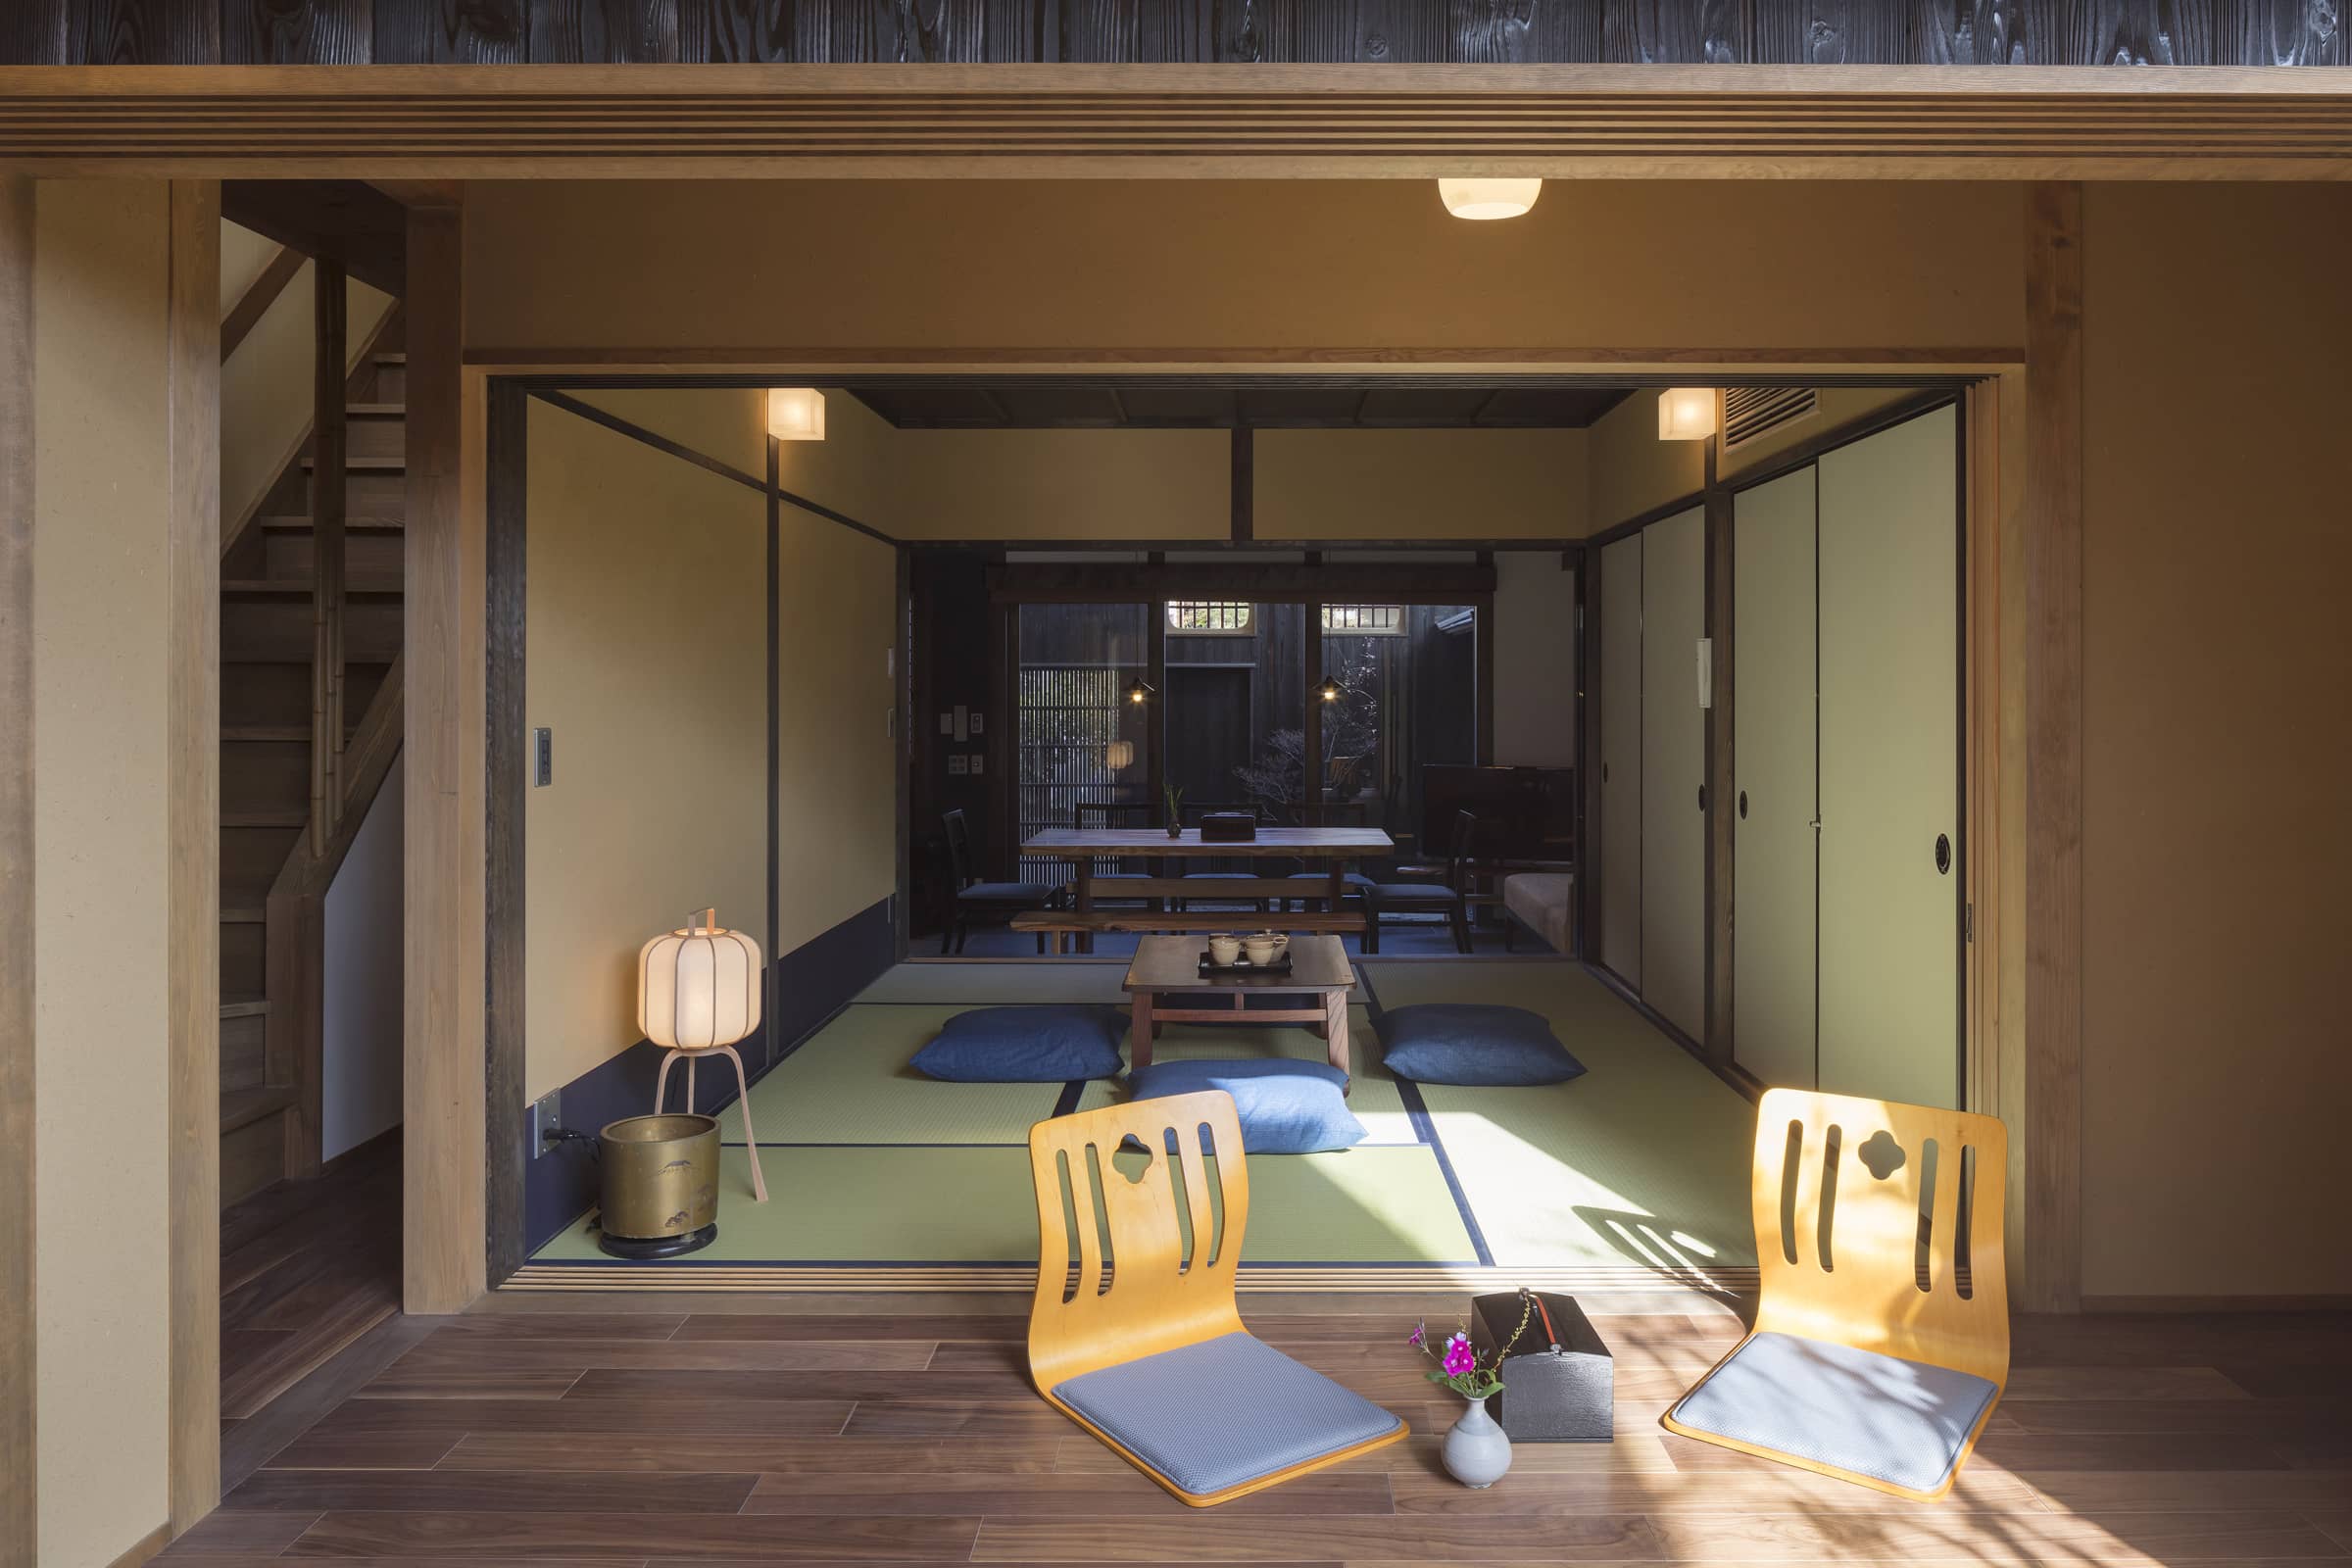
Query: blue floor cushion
{"type": "Point", "coordinates": [1896, 1421]}
{"type": "Point", "coordinates": [1224, 1413]}
{"type": "Point", "coordinates": [1285, 1107]}
{"type": "Point", "coordinates": [1472, 1043]}
{"type": "Point", "coordinates": [1049, 1044]}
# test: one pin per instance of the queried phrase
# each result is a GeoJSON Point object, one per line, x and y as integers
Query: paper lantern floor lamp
{"type": "Point", "coordinates": [698, 992]}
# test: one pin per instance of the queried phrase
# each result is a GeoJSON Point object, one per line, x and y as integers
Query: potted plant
{"type": "Point", "coordinates": [1175, 798]}
{"type": "Point", "coordinates": [1476, 1452]}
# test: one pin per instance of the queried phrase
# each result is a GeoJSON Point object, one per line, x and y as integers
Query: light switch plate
{"type": "Point", "coordinates": [957, 766]}
{"type": "Point", "coordinates": [975, 721]}
{"type": "Point", "coordinates": [976, 761]}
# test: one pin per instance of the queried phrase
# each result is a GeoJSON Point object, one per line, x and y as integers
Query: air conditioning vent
{"type": "Point", "coordinates": [1750, 410]}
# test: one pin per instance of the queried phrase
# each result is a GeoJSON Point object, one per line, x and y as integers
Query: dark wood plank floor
{"type": "Point", "coordinates": [306, 1269]}
{"type": "Point", "coordinates": [909, 1436]}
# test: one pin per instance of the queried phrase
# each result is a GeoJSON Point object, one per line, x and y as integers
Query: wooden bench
{"type": "Point", "coordinates": [1062, 924]}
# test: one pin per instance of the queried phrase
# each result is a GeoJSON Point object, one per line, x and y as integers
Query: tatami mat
{"type": "Point", "coordinates": [1000, 983]}
{"type": "Point", "coordinates": [850, 1084]}
{"type": "Point", "coordinates": [976, 1206]}
{"type": "Point", "coordinates": [1643, 1159]}
{"type": "Point", "coordinates": [1638, 1169]}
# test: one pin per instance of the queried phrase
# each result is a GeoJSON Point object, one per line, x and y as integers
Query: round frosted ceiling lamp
{"type": "Point", "coordinates": [1488, 198]}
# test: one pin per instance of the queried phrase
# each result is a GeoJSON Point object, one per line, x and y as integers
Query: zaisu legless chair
{"type": "Point", "coordinates": [1134, 1334]}
{"type": "Point", "coordinates": [1881, 1336]}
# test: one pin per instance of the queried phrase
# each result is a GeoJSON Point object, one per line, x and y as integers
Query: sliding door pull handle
{"type": "Point", "coordinates": [1702, 797]}
{"type": "Point", "coordinates": [1943, 856]}
{"type": "Point", "coordinates": [1744, 806]}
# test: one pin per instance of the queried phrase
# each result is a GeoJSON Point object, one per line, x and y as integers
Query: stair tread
{"type": "Point", "coordinates": [293, 520]}
{"type": "Point", "coordinates": [242, 1006]}
{"type": "Point", "coordinates": [241, 1106]}
{"type": "Point", "coordinates": [364, 465]}
{"type": "Point", "coordinates": [289, 588]}
{"type": "Point", "coordinates": [250, 914]}
{"type": "Point", "coordinates": [265, 818]}
{"type": "Point", "coordinates": [264, 732]}
{"type": "Point", "coordinates": [392, 356]}
{"type": "Point", "coordinates": [376, 411]}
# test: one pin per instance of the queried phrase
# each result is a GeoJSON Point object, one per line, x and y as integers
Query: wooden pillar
{"type": "Point", "coordinates": [1721, 774]}
{"type": "Point", "coordinates": [327, 509]}
{"type": "Point", "coordinates": [443, 1062]}
{"type": "Point", "coordinates": [192, 957]}
{"type": "Point", "coordinates": [2051, 1261]}
{"type": "Point", "coordinates": [1587, 755]}
{"type": "Point", "coordinates": [1310, 786]}
{"type": "Point", "coordinates": [19, 1536]}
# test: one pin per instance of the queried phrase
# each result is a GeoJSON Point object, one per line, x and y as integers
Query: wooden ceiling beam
{"type": "Point", "coordinates": [396, 122]}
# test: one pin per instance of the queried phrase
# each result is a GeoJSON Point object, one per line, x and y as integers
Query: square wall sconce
{"type": "Point", "coordinates": [1687, 413]}
{"type": "Point", "coordinates": [796, 414]}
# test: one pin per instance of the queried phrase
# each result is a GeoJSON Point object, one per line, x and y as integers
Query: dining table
{"type": "Point", "coordinates": [1323, 848]}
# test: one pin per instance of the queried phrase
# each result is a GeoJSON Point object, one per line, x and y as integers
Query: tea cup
{"type": "Point", "coordinates": [1224, 949]}
{"type": "Point", "coordinates": [1261, 949]}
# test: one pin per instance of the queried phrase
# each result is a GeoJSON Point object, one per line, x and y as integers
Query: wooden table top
{"type": "Point", "coordinates": [1292, 843]}
{"type": "Point", "coordinates": [1173, 963]}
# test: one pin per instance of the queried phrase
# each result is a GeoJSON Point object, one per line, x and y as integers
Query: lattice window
{"type": "Point", "coordinates": [1201, 619]}
{"type": "Point", "coordinates": [1366, 621]}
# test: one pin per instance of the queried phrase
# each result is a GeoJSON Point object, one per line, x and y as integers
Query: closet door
{"type": "Point", "coordinates": [1673, 751]}
{"type": "Point", "coordinates": [1772, 748]}
{"type": "Point", "coordinates": [1889, 764]}
{"type": "Point", "coordinates": [1621, 759]}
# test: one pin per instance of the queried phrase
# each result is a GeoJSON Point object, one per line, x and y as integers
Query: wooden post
{"type": "Point", "coordinates": [1721, 773]}
{"type": "Point", "coordinates": [192, 956]}
{"type": "Point", "coordinates": [1310, 763]}
{"type": "Point", "coordinates": [328, 450]}
{"type": "Point", "coordinates": [18, 1309]}
{"type": "Point", "coordinates": [444, 1058]}
{"type": "Point", "coordinates": [2052, 1252]}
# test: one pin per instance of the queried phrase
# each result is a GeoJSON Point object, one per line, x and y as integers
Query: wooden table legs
{"type": "Point", "coordinates": [1329, 1023]}
{"type": "Point", "coordinates": [1140, 1032]}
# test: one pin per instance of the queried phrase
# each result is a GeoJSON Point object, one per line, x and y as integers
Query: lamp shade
{"type": "Point", "coordinates": [699, 987]}
{"type": "Point", "coordinates": [1119, 756]}
{"type": "Point", "coordinates": [1488, 198]}
{"type": "Point", "coordinates": [796, 414]}
{"type": "Point", "coordinates": [1687, 413]}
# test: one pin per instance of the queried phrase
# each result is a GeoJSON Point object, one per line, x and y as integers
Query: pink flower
{"type": "Point", "coordinates": [1419, 1336]}
{"type": "Point", "coordinates": [1461, 1360]}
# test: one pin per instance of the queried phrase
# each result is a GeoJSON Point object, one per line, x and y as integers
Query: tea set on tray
{"type": "Point", "coordinates": [1256, 950]}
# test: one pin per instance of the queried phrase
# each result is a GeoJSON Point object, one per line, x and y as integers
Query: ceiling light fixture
{"type": "Point", "coordinates": [1687, 413]}
{"type": "Point", "coordinates": [796, 414]}
{"type": "Point", "coordinates": [1482, 199]}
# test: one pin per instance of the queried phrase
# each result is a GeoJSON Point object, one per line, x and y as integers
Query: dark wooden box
{"type": "Point", "coordinates": [1567, 1396]}
{"type": "Point", "coordinates": [1228, 827]}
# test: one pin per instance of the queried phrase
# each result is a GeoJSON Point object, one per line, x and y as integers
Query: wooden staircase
{"type": "Point", "coordinates": [290, 799]}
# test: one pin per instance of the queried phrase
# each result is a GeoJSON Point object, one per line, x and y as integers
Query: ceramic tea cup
{"type": "Point", "coordinates": [1223, 949]}
{"type": "Point", "coordinates": [1263, 948]}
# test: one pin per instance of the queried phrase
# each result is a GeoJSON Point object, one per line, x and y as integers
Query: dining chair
{"type": "Point", "coordinates": [1881, 1342]}
{"type": "Point", "coordinates": [986, 902]}
{"type": "Point", "coordinates": [1111, 870]}
{"type": "Point", "coordinates": [1451, 898]}
{"type": "Point", "coordinates": [1151, 1356]}
{"type": "Point", "coordinates": [1224, 866]}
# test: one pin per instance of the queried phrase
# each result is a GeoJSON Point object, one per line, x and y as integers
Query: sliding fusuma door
{"type": "Point", "coordinates": [1890, 962]}
{"type": "Point", "coordinates": [1674, 772]}
{"type": "Point", "coordinates": [1773, 746]}
{"type": "Point", "coordinates": [1621, 759]}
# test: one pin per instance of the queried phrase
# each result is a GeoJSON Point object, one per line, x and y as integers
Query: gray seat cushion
{"type": "Point", "coordinates": [1006, 893]}
{"type": "Point", "coordinates": [1224, 1413]}
{"type": "Point", "coordinates": [1412, 893]}
{"type": "Point", "coordinates": [1896, 1421]}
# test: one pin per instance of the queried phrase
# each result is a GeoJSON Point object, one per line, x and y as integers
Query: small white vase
{"type": "Point", "coordinates": [1477, 1453]}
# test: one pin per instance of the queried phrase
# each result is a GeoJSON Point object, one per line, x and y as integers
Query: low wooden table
{"type": "Point", "coordinates": [1164, 985]}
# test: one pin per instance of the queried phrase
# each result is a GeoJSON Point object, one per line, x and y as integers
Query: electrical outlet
{"type": "Point", "coordinates": [546, 1116]}
{"type": "Point", "coordinates": [542, 757]}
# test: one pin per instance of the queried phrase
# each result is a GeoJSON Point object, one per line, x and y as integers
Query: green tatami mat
{"type": "Point", "coordinates": [999, 984]}
{"type": "Point", "coordinates": [850, 1084]}
{"type": "Point", "coordinates": [1643, 1160]}
{"type": "Point", "coordinates": [976, 1206]}
{"type": "Point", "coordinates": [1372, 1092]}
